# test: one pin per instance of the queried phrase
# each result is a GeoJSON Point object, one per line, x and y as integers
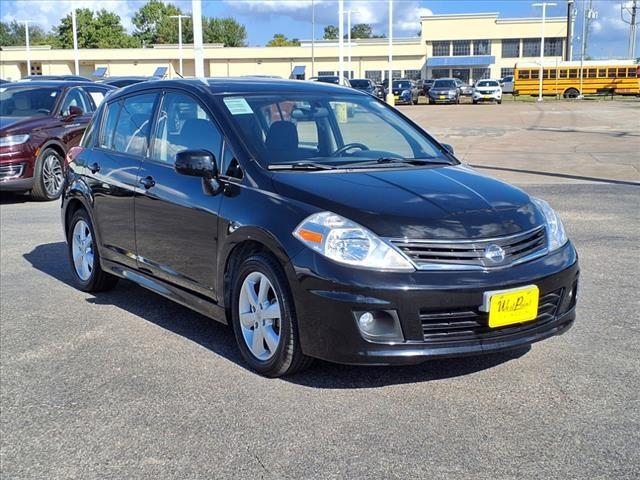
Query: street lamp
{"type": "Point", "coordinates": [589, 14]}
{"type": "Point", "coordinates": [75, 41]}
{"type": "Point", "coordinates": [26, 37]}
{"type": "Point", "coordinates": [341, 39]}
{"type": "Point", "coordinates": [349, 12]}
{"type": "Point", "coordinates": [390, 98]}
{"type": "Point", "coordinates": [198, 51]}
{"type": "Point", "coordinates": [180, 17]}
{"type": "Point", "coordinates": [544, 6]}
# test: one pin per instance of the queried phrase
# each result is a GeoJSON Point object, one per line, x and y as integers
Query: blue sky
{"type": "Point", "coordinates": [263, 18]}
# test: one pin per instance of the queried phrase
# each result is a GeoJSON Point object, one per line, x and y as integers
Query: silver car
{"type": "Point", "coordinates": [487, 91]}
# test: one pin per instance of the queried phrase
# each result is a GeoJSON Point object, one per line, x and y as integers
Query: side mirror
{"type": "Point", "coordinates": [196, 163]}
{"type": "Point", "coordinates": [74, 111]}
{"type": "Point", "coordinates": [448, 148]}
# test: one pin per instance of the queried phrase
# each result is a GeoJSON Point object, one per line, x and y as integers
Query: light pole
{"type": "Point", "coordinates": [349, 12]}
{"type": "Point", "coordinates": [390, 99]}
{"type": "Point", "coordinates": [341, 39]}
{"type": "Point", "coordinates": [179, 17]}
{"type": "Point", "coordinates": [313, 38]}
{"type": "Point", "coordinates": [26, 38]}
{"type": "Point", "coordinates": [589, 13]}
{"type": "Point", "coordinates": [198, 53]}
{"type": "Point", "coordinates": [544, 6]}
{"type": "Point", "coordinates": [75, 40]}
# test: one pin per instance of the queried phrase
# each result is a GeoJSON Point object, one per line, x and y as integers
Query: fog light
{"type": "Point", "coordinates": [379, 326]}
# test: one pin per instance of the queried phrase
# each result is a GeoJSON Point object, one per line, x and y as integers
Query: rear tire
{"type": "Point", "coordinates": [571, 93]}
{"type": "Point", "coordinates": [48, 178]}
{"type": "Point", "coordinates": [84, 257]}
{"type": "Point", "coordinates": [264, 318]}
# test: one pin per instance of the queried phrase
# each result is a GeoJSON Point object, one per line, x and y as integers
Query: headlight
{"type": "Point", "coordinates": [13, 140]}
{"type": "Point", "coordinates": [556, 236]}
{"type": "Point", "coordinates": [346, 242]}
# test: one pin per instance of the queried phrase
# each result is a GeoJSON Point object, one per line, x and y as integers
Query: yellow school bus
{"type": "Point", "coordinates": [621, 77]}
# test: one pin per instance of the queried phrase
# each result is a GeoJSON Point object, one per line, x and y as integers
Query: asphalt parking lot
{"type": "Point", "coordinates": [126, 384]}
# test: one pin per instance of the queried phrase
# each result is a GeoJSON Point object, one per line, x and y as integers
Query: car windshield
{"type": "Point", "coordinates": [444, 84]}
{"type": "Point", "coordinates": [335, 80]}
{"type": "Point", "coordinates": [27, 101]}
{"type": "Point", "coordinates": [401, 84]}
{"type": "Point", "coordinates": [360, 83]}
{"type": "Point", "coordinates": [487, 83]}
{"type": "Point", "coordinates": [327, 129]}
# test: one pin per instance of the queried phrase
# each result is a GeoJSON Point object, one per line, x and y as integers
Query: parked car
{"type": "Point", "coordinates": [364, 85]}
{"type": "Point", "coordinates": [120, 82]}
{"type": "Point", "coordinates": [39, 123]}
{"type": "Point", "coordinates": [380, 91]}
{"type": "Point", "coordinates": [405, 91]}
{"type": "Point", "coordinates": [39, 78]}
{"type": "Point", "coordinates": [464, 88]}
{"type": "Point", "coordinates": [487, 90]}
{"type": "Point", "coordinates": [335, 79]}
{"type": "Point", "coordinates": [444, 90]}
{"type": "Point", "coordinates": [236, 198]}
{"type": "Point", "coordinates": [3, 81]}
{"type": "Point", "coordinates": [426, 86]}
{"type": "Point", "coordinates": [507, 84]}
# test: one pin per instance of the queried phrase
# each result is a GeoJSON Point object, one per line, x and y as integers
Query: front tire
{"type": "Point", "coordinates": [48, 181]}
{"type": "Point", "coordinates": [571, 93]}
{"type": "Point", "coordinates": [84, 257]}
{"type": "Point", "coordinates": [264, 318]}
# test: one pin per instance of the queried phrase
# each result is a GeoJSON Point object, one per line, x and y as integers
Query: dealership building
{"type": "Point", "coordinates": [467, 46]}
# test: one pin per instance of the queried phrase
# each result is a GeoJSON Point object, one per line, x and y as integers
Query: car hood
{"type": "Point", "coordinates": [10, 125]}
{"type": "Point", "coordinates": [452, 202]}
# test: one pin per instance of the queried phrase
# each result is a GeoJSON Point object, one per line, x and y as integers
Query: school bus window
{"type": "Point", "coordinates": [553, 73]}
{"type": "Point", "coordinates": [563, 73]}
{"type": "Point", "coordinates": [573, 73]}
{"type": "Point", "coordinates": [602, 72]}
{"type": "Point", "coordinates": [535, 74]}
{"type": "Point", "coordinates": [545, 74]}
{"type": "Point", "coordinates": [622, 72]}
{"type": "Point", "coordinates": [612, 73]}
{"type": "Point", "coordinates": [633, 72]}
{"type": "Point", "coordinates": [591, 73]}
{"type": "Point", "coordinates": [523, 74]}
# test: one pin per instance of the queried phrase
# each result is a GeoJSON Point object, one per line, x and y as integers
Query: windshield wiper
{"type": "Point", "coordinates": [300, 166]}
{"type": "Point", "coordinates": [396, 160]}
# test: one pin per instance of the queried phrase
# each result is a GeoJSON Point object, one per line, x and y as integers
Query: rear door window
{"type": "Point", "coordinates": [131, 134]}
{"type": "Point", "coordinates": [111, 113]}
{"type": "Point", "coordinates": [96, 94]}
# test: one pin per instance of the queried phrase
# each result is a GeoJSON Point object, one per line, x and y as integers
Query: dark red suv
{"type": "Point", "coordinates": [39, 122]}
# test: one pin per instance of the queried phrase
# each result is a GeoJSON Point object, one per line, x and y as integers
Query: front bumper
{"type": "Point", "coordinates": [326, 295]}
{"type": "Point", "coordinates": [443, 98]}
{"type": "Point", "coordinates": [16, 168]}
{"type": "Point", "coordinates": [486, 97]}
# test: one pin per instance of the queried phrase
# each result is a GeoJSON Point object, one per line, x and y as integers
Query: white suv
{"type": "Point", "coordinates": [487, 90]}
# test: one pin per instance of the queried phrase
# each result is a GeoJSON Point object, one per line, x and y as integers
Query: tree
{"type": "Point", "coordinates": [101, 29]}
{"type": "Point", "coordinates": [223, 30]}
{"type": "Point", "coordinates": [13, 34]}
{"type": "Point", "coordinates": [153, 22]}
{"type": "Point", "coordinates": [361, 30]}
{"type": "Point", "coordinates": [280, 40]}
{"type": "Point", "coordinates": [330, 32]}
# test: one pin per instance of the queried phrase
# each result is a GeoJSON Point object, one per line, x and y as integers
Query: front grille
{"type": "Point", "coordinates": [7, 172]}
{"type": "Point", "coordinates": [483, 253]}
{"type": "Point", "coordinates": [472, 324]}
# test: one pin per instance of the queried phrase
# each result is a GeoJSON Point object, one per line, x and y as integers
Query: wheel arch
{"type": "Point", "coordinates": [55, 145]}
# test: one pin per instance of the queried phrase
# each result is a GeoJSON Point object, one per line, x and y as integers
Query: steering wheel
{"type": "Point", "coordinates": [348, 147]}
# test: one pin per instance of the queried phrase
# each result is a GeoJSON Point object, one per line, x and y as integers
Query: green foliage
{"type": "Point", "coordinates": [224, 30]}
{"type": "Point", "coordinates": [101, 29]}
{"type": "Point", "coordinates": [13, 34]}
{"type": "Point", "coordinates": [331, 32]}
{"type": "Point", "coordinates": [154, 24]}
{"type": "Point", "coordinates": [280, 40]}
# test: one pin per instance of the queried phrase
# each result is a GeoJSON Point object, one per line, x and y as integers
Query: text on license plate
{"type": "Point", "coordinates": [507, 307]}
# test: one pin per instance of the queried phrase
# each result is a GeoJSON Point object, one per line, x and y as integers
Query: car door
{"type": "Point", "coordinates": [112, 173]}
{"type": "Point", "coordinates": [72, 125]}
{"type": "Point", "coordinates": [177, 215]}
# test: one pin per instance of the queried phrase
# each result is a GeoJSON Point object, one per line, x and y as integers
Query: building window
{"type": "Point", "coordinates": [506, 72]}
{"type": "Point", "coordinates": [412, 74]}
{"type": "Point", "coordinates": [553, 47]}
{"type": "Point", "coordinates": [531, 47]}
{"type": "Point", "coordinates": [374, 75]}
{"type": "Point", "coordinates": [396, 74]}
{"type": "Point", "coordinates": [481, 74]}
{"type": "Point", "coordinates": [511, 48]}
{"type": "Point", "coordinates": [441, 49]}
{"type": "Point", "coordinates": [481, 47]}
{"type": "Point", "coordinates": [326, 73]}
{"type": "Point", "coordinates": [440, 73]}
{"type": "Point", "coordinates": [461, 48]}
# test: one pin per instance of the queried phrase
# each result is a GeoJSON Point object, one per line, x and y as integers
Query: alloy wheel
{"type": "Point", "coordinates": [260, 316]}
{"type": "Point", "coordinates": [82, 250]}
{"type": "Point", "coordinates": [52, 175]}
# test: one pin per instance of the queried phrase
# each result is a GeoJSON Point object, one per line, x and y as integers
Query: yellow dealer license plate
{"type": "Point", "coordinates": [507, 307]}
{"type": "Point", "coordinates": [442, 97]}
{"type": "Point", "coordinates": [486, 96]}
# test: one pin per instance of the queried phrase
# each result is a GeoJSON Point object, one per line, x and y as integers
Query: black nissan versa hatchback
{"type": "Point", "coordinates": [316, 234]}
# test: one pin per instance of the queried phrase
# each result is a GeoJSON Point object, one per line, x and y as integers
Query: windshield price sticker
{"type": "Point", "coordinates": [237, 106]}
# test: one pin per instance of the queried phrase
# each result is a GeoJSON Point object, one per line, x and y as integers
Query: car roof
{"type": "Point", "coordinates": [239, 85]}
{"type": "Point", "coordinates": [54, 83]}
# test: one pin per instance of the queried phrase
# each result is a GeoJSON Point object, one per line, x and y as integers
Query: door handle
{"type": "Point", "coordinates": [95, 168]}
{"type": "Point", "coordinates": [147, 182]}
